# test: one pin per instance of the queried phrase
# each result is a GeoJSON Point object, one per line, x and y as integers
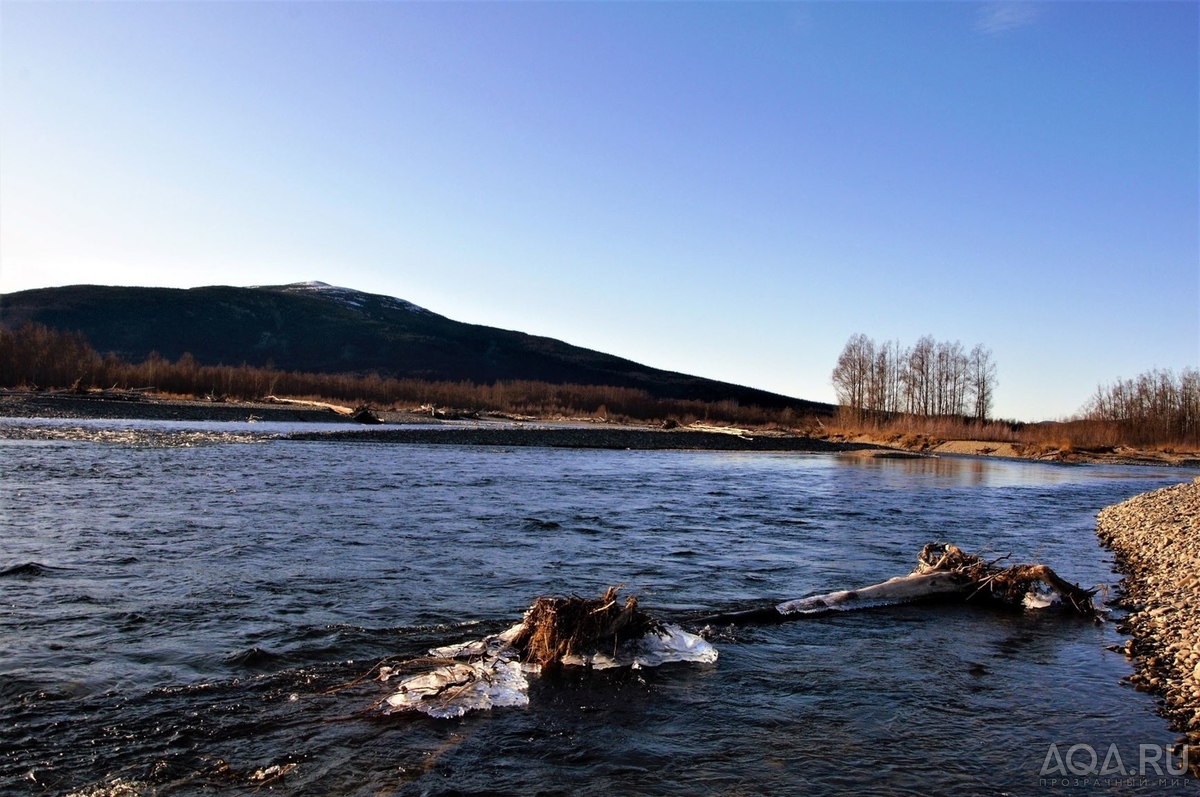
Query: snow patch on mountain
{"type": "Point", "coordinates": [348, 297]}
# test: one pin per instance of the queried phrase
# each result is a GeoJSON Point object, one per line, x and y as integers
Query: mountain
{"type": "Point", "coordinates": [312, 326]}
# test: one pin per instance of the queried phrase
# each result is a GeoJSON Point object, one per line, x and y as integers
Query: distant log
{"type": "Point", "coordinates": [365, 415]}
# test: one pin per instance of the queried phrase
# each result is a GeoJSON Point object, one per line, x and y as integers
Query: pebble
{"type": "Point", "coordinates": [1155, 538]}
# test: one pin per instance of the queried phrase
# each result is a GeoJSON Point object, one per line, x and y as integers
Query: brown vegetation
{"type": "Point", "coordinates": [905, 398]}
{"type": "Point", "coordinates": [1078, 439]}
{"type": "Point", "coordinates": [934, 391]}
{"type": "Point", "coordinates": [36, 357]}
{"type": "Point", "coordinates": [1156, 408]}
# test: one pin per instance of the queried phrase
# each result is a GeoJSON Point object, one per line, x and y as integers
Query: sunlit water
{"type": "Point", "coordinates": [185, 607]}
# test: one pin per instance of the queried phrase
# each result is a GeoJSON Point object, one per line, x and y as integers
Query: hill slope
{"type": "Point", "coordinates": [321, 328]}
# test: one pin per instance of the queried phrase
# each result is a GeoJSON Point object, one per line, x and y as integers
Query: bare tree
{"type": "Point", "coordinates": [948, 379]}
{"type": "Point", "coordinates": [884, 394]}
{"type": "Point", "coordinates": [981, 377]}
{"type": "Point", "coordinates": [1156, 407]}
{"type": "Point", "coordinates": [919, 376]}
{"type": "Point", "coordinates": [852, 373]}
{"type": "Point", "coordinates": [931, 379]}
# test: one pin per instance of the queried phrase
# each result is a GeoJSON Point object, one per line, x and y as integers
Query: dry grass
{"type": "Point", "coordinates": [1063, 438]}
{"type": "Point", "coordinates": [37, 357]}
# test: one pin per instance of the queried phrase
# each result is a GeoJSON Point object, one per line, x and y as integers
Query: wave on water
{"type": "Point", "coordinates": [537, 524]}
{"type": "Point", "coordinates": [254, 658]}
{"type": "Point", "coordinates": [30, 569]}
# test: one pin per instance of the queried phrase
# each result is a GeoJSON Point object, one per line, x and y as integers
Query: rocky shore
{"type": "Point", "coordinates": [1156, 540]}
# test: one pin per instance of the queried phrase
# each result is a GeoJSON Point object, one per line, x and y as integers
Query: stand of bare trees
{"type": "Point", "coordinates": [931, 379]}
{"type": "Point", "coordinates": [1157, 407]}
{"type": "Point", "coordinates": [37, 355]}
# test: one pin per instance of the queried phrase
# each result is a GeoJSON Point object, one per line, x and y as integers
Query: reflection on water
{"type": "Point", "coordinates": [186, 606]}
{"type": "Point", "coordinates": [971, 471]}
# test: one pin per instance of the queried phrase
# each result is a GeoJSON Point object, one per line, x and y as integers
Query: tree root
{"type": "Point", "coordinates": [558, 627]}
{"type": "Point", "coordinates": [1009, 585]}
{"type": "Point", "coordinates": [943, 572]}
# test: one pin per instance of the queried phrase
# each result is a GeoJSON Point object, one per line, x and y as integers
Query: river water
{"type": "Point", "coordinates": [186, 619]}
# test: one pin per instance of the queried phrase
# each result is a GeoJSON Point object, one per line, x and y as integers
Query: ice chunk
{"type": "Point", "coordinates": [1040, 596]}
{"type": "Point", "coordinates": [454, 689]}
{"type": "Point", "coordinates": [672, 644]}
{"type": "Point", "coordinates": [488, 673]}
{"type": "Point", "coordinates": [492, 645]}
{"type": "Point", "coordinates": [669, 644]}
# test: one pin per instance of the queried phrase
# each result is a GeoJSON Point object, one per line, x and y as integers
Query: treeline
{"type": "Point", "coordinates": [933, 389]}
{"type": "Point", "coordinates": [37, 357]}
{"type": "Point", "coordinates": [1154, 408]}
{"type": "Point", "coordinates": [931, 379]}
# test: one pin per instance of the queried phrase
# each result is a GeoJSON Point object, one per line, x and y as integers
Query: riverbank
{"type": "Point", "coordinates": [396, 426]}
{"type": "Point", "coordinates": [127, 405]}
{"type": "Point", "coordinates": [509, 430]}
{"type": "Point", "coordinates": [1063, 453]}
{"type": "Point", "coordinates": [1156, 540]}
{"type": "Point", "coordinates": [600, 436]}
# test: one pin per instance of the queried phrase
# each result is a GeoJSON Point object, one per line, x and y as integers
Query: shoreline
{"type": "Point", "coordinates": [1155, 538]}
{"type": "Point", "coordinates": [138, 407]}
{"type": "Point", "coordinates": [496, 431]}
{"type": "Point", "coordinates": [509, 430]}
{"type": "Point", "coordinates": [611, 437]}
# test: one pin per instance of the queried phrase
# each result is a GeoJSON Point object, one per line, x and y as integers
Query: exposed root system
{"type": "Point", "coordinates": [1008, 585]}
{"type": "Point", "coordinates": [558, 627]}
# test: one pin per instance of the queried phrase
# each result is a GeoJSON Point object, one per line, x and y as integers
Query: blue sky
{"type": "Point", "coordinates": [724, 189]}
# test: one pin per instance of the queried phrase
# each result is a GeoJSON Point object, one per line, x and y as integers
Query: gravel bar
{"type": "Point", "coordinates": [1156, 540]}
{"type": "Point", "coordinates": [64, 406]}
{"type": "Point", "coordinates": [416, 428]}
{"type": "Point", "coordinates": [600, 437]}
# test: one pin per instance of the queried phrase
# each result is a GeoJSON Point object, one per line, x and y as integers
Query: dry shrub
{"type": "Point", "coordinates": [35, 355]}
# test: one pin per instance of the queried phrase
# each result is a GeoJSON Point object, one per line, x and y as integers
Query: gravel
{"type": "Point", "coordinates": [399, 427]}
{"type": "Point", "coordinates": [133, 407]}
{"type": "Point", "coordinates": [1156, 540]}
{"type": "Point", "coordinates": [577, 437]}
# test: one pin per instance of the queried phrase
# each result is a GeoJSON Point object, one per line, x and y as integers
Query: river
{"type": "Point", "coordinates": [183, 619]}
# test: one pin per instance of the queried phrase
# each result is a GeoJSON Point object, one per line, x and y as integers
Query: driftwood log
{"type": "Point", "coordinates": [364, 414]}
{"type": "Point", "coordinates": [609, 632]}
{"type": "Point", "coordinates": [943, 572]}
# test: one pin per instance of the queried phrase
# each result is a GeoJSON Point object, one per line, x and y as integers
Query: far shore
{"type": "Point", "coordinates": [1120, 455]}
{"type": "Point", "coordinates": [429, 426]}
{"type": "Point", "coordinates": [493, 429]}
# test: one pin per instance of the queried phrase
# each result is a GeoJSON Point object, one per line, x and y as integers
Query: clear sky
{"type": "Point", "coordinates": [724, 189]}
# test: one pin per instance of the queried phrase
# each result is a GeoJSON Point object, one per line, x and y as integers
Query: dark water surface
{"type": "Point", "coordinates": [172, 618]}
